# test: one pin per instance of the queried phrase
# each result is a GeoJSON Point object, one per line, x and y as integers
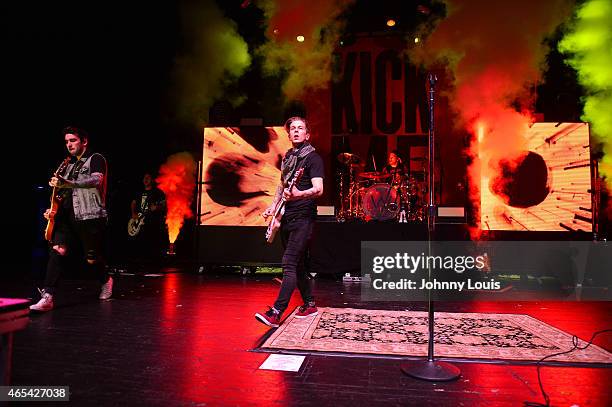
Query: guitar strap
{"type": "Point", "coordinates": [72, 175]}
{"type": "Point", "coordinates": [75, 169]}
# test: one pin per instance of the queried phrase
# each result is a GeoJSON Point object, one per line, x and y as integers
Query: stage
{"type": "Point", "coordinates": [335, 246]}
{"type": "Point", "coordinates": [473, 134]}
{"type": "Point", "coordinates": [189, 339]}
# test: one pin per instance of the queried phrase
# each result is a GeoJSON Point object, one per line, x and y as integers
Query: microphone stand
{"type": "Point", "coordinates": [431, 369]}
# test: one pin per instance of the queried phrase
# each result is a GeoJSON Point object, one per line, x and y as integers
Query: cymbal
{"type": "Point", "coordinates": [374, 175]}
{"type": "Point", "coordinates": [348, 158]}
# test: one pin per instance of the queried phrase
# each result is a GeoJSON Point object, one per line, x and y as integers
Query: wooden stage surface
{"type": "Point", "coordinates": [186, 339]}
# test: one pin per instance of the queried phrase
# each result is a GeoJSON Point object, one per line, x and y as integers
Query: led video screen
{"type": "Point", "coordinates": [240, 173]}
{"type": "Point", "coordinates": [549, 190]}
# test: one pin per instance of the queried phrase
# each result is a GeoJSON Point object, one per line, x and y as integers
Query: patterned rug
{"type": "Point", "coordinates": [461, 335]}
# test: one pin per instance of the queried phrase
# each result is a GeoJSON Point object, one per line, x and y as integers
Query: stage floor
{"type": "Point", "coordinates": [186, 339]}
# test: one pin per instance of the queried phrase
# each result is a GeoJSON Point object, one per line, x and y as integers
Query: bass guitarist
{"type": "Point", "coordinates": [298, 220]}
{"type": "Point", "coordinates": [149, 239]}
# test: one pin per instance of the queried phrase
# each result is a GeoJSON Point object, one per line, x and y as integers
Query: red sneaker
{"type": "Point", "coordinates": [271, 317]}
{"type": "Point", "coordinates": [307, 310]}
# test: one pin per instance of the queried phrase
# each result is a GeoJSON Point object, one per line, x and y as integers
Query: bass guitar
{"type": "Point", "coordinates": [134, 224]}
{"type": "Point", "coordinates": [279, 209]}
{"type": "Point", "coordinates": [56, 199]}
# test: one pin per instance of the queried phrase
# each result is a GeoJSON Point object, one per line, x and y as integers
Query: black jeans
{"type": "Point", "coordinates": [84, 237]}
{"type": "Point", "coordinates": [295, 235]}
{"type": "Point", "coordinates": [149, 246]}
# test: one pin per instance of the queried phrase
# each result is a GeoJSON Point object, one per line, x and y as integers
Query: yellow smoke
{"type": "Point", "coordinates": [588, 47]}
{"type": "Point", "coordinates": [215, 55]}
{"type": "Point", "coordinates": [305, 65]}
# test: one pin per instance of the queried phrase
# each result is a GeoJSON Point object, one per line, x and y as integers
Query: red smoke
{"type": "Point", "coordinates": [301, 17]}
{"type": "Point", "coordinates": [177, 180]}
{"type": "Point", "coordinates": [495, 53]}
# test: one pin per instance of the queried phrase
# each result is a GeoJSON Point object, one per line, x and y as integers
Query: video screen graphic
{"type": "Point", "coordinates": [240, 173]}
{"type": "Point", "coordinates": [549, 190]}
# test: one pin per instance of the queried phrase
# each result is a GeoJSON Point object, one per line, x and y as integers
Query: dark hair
{"type": "Point", "coordinates": [295, 118]}
{"type": "Point", "coordinates": [80, 133]}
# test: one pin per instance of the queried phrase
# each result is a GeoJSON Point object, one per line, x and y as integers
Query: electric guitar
{"type": "Point", "coordinates": [56, 199]}
{"type": "Point", "coordinates": [134, 224]}
{"type": "Point", "coordinates": [279, 209]}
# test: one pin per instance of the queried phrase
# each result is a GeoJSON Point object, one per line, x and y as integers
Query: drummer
{"type": "Point", "coordinates": [395, 167]}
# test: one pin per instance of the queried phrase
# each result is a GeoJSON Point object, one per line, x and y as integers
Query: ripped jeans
{"type": "Point", "coordinates": [79, 237]}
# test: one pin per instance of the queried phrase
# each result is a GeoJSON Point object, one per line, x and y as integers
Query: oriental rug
{"type": "Point", "coordinates": [405, 333]}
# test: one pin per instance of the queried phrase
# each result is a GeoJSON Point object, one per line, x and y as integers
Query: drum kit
{"type": "Point", "coordinates": [378, 195]}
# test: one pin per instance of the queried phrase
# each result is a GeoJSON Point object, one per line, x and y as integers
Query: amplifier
{"type": "Point", "coordinates": [326, 214]}
{"type": "Point", "coordinates": [451, 214]}
{"type": "Point", "coordinates": [326, 210]}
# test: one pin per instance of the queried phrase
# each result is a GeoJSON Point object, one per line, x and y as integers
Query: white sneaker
{"type": "Point", "coordinates": [107, 289]}
{"type": "Point", "coordinates": [45, 304]}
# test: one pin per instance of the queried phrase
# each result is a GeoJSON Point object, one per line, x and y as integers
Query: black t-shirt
{"type": "Point", "coordinates": [313, 168]}
{"type": "Point", "coordinates": [398, 172]}
{"type": "Point", "coordinates": [97, 164]}
{"type": "Point", "coordinates": [399, 169]}
{"type": "Point", "coordinates": [154, 196]}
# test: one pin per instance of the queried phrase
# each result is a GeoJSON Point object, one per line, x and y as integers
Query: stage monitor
{"type": "Point", "coordinates": [240, 173]}
{"type": "Point", "coordinates": [549, 190]}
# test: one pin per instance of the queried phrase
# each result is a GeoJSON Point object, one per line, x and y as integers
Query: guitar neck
{"type": "Point", "coordinates": [53, 195]}
{"type": "Point", "coordinates": [279, 206]}
{"type": "Point", "coordinates": [283, 201]}
{"type": "Point", "coordinates": [60, 170]}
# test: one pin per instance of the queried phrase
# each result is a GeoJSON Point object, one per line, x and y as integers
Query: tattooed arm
{"type": "Point", "coordinates": [314, 192]}
{"type": "Point", "coordinates": [277, 196]}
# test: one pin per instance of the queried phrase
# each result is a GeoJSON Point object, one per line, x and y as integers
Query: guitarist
{"type": "Point", "coordinates": [151, 242]}
{"type": "Point", "coordinates": [80, 220]}
{"type": "Point", "coordinates": [298, 221]}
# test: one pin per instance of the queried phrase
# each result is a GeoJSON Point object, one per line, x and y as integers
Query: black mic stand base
{"type": "Point", "coordinates": [431, 370]}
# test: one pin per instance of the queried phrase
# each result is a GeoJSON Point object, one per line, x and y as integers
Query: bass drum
{"type": "Point", "coordinates": [380, 202]}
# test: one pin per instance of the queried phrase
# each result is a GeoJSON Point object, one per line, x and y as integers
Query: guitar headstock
{"type": "Point", "coordinates": [62, 166]}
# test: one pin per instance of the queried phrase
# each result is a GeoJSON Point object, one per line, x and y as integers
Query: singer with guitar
{"type": "Point", "coordinates": [77, 217]}
{"type": "Point", "coordinates": [297, 221]}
